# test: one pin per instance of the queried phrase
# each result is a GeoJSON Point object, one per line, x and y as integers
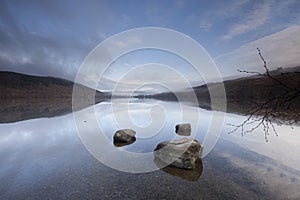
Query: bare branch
{"type": "Point", "coordinates": [275, 109]}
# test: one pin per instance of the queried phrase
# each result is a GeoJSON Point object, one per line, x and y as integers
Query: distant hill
{"type": "Point", "coordinates": [281, 70]}
{"type": "Point", "coordinates": [242, 93]}
{"type": "Point", "coordinates": [26, 97]}
{"type": "Point", "coordinates": [21, 85]}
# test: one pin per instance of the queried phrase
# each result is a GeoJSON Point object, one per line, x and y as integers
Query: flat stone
{"type": "Point", "coordinates": [183, 129]}
{"type": "Point", "coordinates": [179, 153]}
{"type": "Point", "coordinates": [124, 136]}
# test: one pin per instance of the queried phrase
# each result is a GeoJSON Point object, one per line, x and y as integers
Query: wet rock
{"type": "Point", "coordinates": [124, 136]}
{"type": "Point", "coordinates": [190, 175]}
{"type": "Point", "coordinates": [183, 129]}
{"type": "Point", "coordinates": [179, 153]}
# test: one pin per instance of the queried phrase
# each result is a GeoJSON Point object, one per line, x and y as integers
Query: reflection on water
{"type": "Point", "coordinates": [44, 158]}
{"type": "Point", "coordinates": [121, 144]}
{"type": "Point", "coordinates": [190, 175]}
{"type": "Point", "coordinates": [19, 109]}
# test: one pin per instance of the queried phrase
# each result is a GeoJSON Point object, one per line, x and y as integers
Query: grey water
{"type": "Point", "coordinates": [47, 158]}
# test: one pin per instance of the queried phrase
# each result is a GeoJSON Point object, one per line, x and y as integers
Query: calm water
{"type": "Point", "coordinates": [45, 158]}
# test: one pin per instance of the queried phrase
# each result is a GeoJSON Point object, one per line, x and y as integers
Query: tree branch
{"type": "Point", "coordinates": [277, 109]}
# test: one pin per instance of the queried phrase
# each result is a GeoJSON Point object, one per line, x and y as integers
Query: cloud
{"type": "Point", "coordinates": [52, 38]}
{"type": "Point", "coordinates": [230, 9]}
{"type": "Point", "coordinates": [256, 18]}
{"type": "Point", "coordinates": [29, 53]}
{"type": "Point", "coordinates": [281, 49]}
{"type": "Point", "coordinates": [215, 12]}
{"type": "Point", "coordinates": [50, 41]}
{"type": "Point", "coordinates": [205, 25]}
{"type": "Point", "coordinates": [154, 74]}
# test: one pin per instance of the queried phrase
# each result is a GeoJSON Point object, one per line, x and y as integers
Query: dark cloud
{"type": "Point", "coordinates": [53, 51]}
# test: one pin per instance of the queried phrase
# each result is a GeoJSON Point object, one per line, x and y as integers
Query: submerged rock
{"type": "Point", "coordinates": [183, 129]}
{"type": "Point", "coordinates": [179, 153]}
{"type": "Point", "coordinates": [190, 175]}
{"type": "Point", "coordinates": [124, 136]}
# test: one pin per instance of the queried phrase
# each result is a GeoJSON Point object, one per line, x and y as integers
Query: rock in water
{"type": "Point", "coordinates": [183, 129]}
{"type": "Point", "coordinates": [179, 153]}
{"type": "Point", "coordinates": [124, 136]}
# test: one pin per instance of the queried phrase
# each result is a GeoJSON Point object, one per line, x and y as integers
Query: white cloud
{"type": "Point", "coordinates": [256, 18]}
{"type": "Point", "coordinates": [281, 49]}
{"type": "Point", "coordinates": [222, 11]}
{"type": "Point", "coordinates": [232, 9]}
{"type": "Point", "coordinates": [205, 25]}
{"type": "Point", "coordinates": [152, 74]}
{"type": "Point", "coordinates": [102, 34]}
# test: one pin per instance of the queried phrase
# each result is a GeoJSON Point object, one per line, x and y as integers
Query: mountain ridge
{"type": "Point", "coordinates": [26, 97]}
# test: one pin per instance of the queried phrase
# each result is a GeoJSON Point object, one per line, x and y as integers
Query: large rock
{"type": "Point", "coordinates": [124, 136]}
{"type": "Point", "coordinates": [179, 153]}
{"type": "Point", "coordinates": [183, 129]}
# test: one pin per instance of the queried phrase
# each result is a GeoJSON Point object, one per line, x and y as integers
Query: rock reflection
{"type": "Point", "coordinates": [190, 175]}
{"type": "Point", "coordinates": [121, 144]}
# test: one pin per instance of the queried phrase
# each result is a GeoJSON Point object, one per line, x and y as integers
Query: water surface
{"type": "Point", "coordinates": [45, 158]}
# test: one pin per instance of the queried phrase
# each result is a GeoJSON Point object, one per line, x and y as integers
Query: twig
{"type": "Point", "coordinates": [275, 109]}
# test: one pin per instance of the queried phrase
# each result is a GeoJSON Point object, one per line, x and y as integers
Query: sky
{"type": "Point", "coordinates": [52, 38]}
